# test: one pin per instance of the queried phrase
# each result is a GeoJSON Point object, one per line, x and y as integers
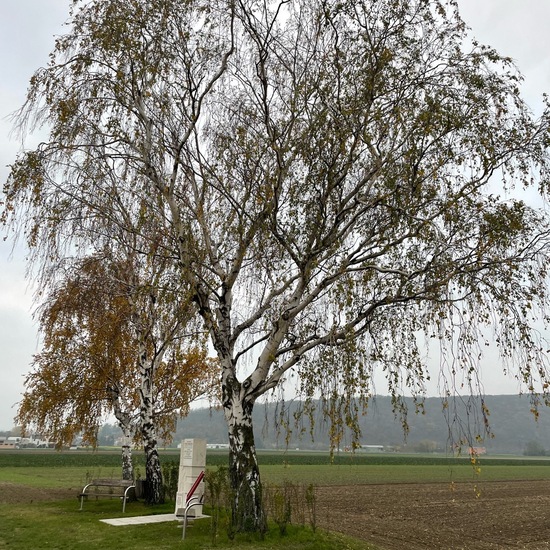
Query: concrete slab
{"type": "Point", "coordinates": [141, 520]}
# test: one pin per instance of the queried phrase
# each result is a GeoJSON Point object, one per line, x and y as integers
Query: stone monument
{"type": "Point", "coordinates": [192, 463]}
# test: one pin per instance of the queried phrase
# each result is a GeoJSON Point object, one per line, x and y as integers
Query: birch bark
{"type": "Point", "coordinates": [124, 422]}
{"type": "Point", "coordinates": [244, 473]}
{"type": "Point", "coordinates": [153, 471]}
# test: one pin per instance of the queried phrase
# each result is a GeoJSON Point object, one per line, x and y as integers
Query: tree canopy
{"type": "Point", "coordinates": [331, 180]}
{"type": "Point", "coordinates": [88, 367]}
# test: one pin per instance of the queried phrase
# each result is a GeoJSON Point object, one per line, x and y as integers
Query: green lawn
{"type": "Point", "coordinates": [364, 474]}
{"type": "Point", "coordinates": [61, 525]}
{"type": "Point", "coordinates": [71, 470]}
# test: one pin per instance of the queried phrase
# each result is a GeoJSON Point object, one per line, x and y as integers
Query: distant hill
{"type": "Point", "coordinates": [511, 421]}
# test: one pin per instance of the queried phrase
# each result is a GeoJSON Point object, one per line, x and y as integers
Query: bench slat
{"type": "Point", "coordinates": [112, 482]}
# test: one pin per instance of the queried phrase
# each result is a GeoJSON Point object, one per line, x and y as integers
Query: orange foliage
{"type": "Point", "coordinates": [88, 367]}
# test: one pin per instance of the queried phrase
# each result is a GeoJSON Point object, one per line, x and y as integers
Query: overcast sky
{"type": "Point", "coordinates": [518, 28]}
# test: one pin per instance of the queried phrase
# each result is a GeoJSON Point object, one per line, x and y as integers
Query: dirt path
{"type": "Point", "coordinates": [508, 515]}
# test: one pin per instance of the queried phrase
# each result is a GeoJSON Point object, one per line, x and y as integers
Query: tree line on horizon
{"type": "Point", "coordinates": [513, 428]}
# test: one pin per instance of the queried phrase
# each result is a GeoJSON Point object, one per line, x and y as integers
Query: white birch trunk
{"type": "Point", "coordinates": [153, 472]}
{"type": "Point", "coordinates": [125, 424]}
{"type": "Point", "coordinates": [244, 474]}
{"type": "Point", "coordinates": [127, 464]}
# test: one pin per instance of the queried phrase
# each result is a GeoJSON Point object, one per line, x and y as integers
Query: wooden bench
{"type": "Point", "coordinates": [112, 488]}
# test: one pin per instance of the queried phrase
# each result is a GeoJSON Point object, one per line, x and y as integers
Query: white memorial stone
{"type": "Point", "coordinates": [192, 463]}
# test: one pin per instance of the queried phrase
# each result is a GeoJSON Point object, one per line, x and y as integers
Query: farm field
{"type": "Point", "coordinates": [425, 516]}
{"type": "Point", "coordinates": [393, 502]}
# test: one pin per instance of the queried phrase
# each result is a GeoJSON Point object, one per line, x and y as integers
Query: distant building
{"type": "Point", "coordinates": [16, 442]}
{"type": "Point", "coordinates": [9, 442]}
{"type": "Point", "coordinates": [477, 451]}
{"type": "Point", "coordinates": [217, 445]}
{"type": "Point", "coordinates": [371, 448]}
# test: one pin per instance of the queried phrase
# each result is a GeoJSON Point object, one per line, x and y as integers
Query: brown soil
{"type": "Point", "coordinates": [12, 493]}
{"type": "Point", "coordinates": [504, 515]}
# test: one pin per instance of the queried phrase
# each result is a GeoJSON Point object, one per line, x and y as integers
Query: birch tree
{"type": "Point", "coordinates": [332, 180]}
{"type": "Point", "coordinates": [81, 374]}
{"type": "Point", "coordinates": [95, 362]}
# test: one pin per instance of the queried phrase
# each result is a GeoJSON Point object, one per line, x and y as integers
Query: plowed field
{"type": "Point", "coordinates": [499, 515]}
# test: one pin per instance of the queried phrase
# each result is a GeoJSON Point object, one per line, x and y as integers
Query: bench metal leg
{"type": "Point", "coordinates": [83, 494]}
{"type": "Point", "coordinates": [126, 498]}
